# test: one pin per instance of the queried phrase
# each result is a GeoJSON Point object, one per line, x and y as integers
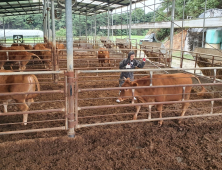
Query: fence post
{"type": "Point", "coordinates": [212, 102]}
{"type": "Point", "coordinates": [70, 100]}
{"type": "Point", "coordinates": [76, 97]}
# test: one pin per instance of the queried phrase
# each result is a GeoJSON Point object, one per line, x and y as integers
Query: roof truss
{"type": "Point", "coordinates": [82, 7]}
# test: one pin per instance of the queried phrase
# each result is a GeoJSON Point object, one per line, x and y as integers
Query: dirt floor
{"type": "Point", "coordinates": [195, 144]}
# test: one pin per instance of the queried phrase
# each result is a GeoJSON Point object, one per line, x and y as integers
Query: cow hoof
{"type": "Point", "coordinates": [160, 124]}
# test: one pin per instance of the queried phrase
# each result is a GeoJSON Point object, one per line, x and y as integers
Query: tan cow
{"type": "Point", "coordinates": [102, 56]}
{"type": "Point", "coordinates": [160, 94]}
{"type": "Point", "coordinates": [25, 83]}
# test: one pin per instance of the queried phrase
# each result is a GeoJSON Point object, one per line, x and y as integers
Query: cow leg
{"type": "Point", "coordinates": [137, 111]}
{"type": "Point", "coordinates": [23, 107]}
{"type": "Point", "coordinates": [150, 106]}
{"type": "Point", "coordinates": [11, 66]}
{"type": "Point", "coordinates": [30, 101]}
{"type": "Point", "coordinates": [5, 104]}
{"type": "Point", "coordinates": [184, 109]}
{"type": "Point", "coordinates": [160, 108]}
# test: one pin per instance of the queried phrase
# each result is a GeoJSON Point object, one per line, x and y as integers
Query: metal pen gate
{"type": "Point", "coordinates": [94, 114]}
{"type": "Point", "coordinates": [47, 105]}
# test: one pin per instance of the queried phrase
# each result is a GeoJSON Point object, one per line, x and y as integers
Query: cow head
{"type": "Point", "coordinates": [127, 93]}
{"type": "Point", "coordinates": [101, 51]}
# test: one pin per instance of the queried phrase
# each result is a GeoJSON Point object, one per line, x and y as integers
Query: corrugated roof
{"type": "Point", "coordinates": [82, 7]}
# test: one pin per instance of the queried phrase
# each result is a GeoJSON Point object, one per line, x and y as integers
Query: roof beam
{"type": "Point", "coordinates": [18, 11]}
{"type": "Point", "coordinates": [190, 23]}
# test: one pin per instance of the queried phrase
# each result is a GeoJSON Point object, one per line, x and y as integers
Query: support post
{"type": "Point", "coordinates": [70, 73]}
{"type": "Point", "coordinates": [4, 28]}
{"type": "Point", "coordinates": [154, 11]}
{"type": "Point", "coordinates": [112, 24]}
{"type": "Point", "coordinates": [130, 18]}
{"type": "Point", "coordinates": [86, 26]}
{"type": "Point", "coordinates": [181, 53]}
{"type": "Point", "coordinates": [79, 27]}
{"type": "Point", "coordinates": [95, 30]}
{"type": "Point", "coordinates": [203, 39]}
{"type": "Point", "coordinates": [91, 26]}
{"type": "Point", "coordinates": [54, 54]}
{"type": "Point", "coordinates": [44, 21]}
{"type": "Point", "coordinates": [121, 23]}
{"type": "Point", "coordinates": [172, 29]}
{"type": "Point", "coordinates": [108, 22]}
{"type": "Point", "coordinates": [48, 20]}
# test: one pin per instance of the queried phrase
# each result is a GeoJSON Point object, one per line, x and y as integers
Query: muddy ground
{"type": "Point", "coordinates": [195, 144]}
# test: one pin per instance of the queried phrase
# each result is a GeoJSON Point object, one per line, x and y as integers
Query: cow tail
{"type": "Point", "coordinates": [36, 56]}
{"type": "Point", "coordinates": [201, 93]}
{"type": "Point", "coordinates": [37, 85]}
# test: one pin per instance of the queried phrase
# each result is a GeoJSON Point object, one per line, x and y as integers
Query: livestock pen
{"type": "Point", "coordinates": [76, 96]}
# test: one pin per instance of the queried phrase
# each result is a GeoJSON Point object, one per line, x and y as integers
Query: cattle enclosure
{"type": "Point", "coordinates": [58, 96]}
{"type": "Point", "coordinates": [84, 58]}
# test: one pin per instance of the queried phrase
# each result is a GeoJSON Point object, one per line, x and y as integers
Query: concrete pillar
{"type": "Point", "coordinates": [70, 73]}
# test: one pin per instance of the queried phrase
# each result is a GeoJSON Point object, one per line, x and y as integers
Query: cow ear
{"type": "Point", "coordinates": [127, 80]}
{"type": "Point", "coordinates": [135, 84]}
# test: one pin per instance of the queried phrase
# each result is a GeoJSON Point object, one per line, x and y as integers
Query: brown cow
{"type": "Point", "coordinates": [22, 56]}
{"type": "Point", "coordinates": [27, 47]}
{"type": "Point", "coordinates": [160, 94]}
{"type": "Point", "coordinates": [45, 55]}
{"type": "Point", "coordinates": [3, 58]}
{"type": "Point", "coordinates": [102, 56]}
{"type": "Point", "coordinates": [14, 45]}
{"type": "Point", "coordinates": [60, 47]}
{"type": "Point", "coordinates": [24, 83]}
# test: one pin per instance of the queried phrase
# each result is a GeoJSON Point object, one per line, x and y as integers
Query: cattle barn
{"type": "Point", "coordinates": [96, 99]}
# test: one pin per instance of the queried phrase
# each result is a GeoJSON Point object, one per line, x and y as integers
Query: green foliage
{"type": "Point", "coordinates": [80, 25]}
{"type": "Point", "coordinates": [61, 32]}
{"type": "Point", "coordinates": [19, 22]}
{"type": "Point", "coordinates": [162, 34]}
{"type": "Point", "coordinates": [192, 8]}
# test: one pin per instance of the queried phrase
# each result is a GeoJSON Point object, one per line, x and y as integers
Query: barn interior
{"type": "Point", "coordinates": [78, 92]}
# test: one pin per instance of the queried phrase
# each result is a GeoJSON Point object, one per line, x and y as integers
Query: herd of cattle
{"type": "Point", "coordinates": [29, 83]}
{"type": "Point", "coordinates": [25, 54]}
